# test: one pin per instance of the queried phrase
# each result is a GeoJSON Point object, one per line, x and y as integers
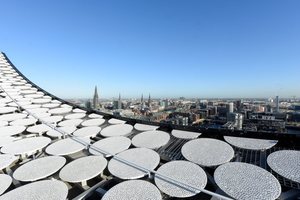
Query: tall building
{"type": "Point", "coordinates": [149, 101]}
{"type": "Point", "coordinates": [119, 102]}
{"type": "Point", "coordinates": [277, 104]}
{"type": "Point", "coordinates": [230, 107]}
{"type": "Point", "coordinates": [96, 99]}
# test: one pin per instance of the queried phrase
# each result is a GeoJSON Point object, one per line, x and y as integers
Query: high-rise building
{"type": "Point", "coordinates": [149, 101]}
{"type": "Point", "coordinates": [230, 107]}
{"type": "Point", "coordinates": [277, 104]}
{"type": "Point", "coordinates": [96, 99]}
{"type": "Point", "coordinates": [119, 102]}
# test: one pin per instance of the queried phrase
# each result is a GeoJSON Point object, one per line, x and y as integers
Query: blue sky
{"type": "Point", "coordinates": [168, 48]}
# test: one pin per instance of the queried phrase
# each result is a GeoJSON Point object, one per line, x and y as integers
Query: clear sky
{"type": "Point", "coordinates": [169, 48]}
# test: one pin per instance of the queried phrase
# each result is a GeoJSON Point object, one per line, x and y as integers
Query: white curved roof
{"type": "Point", "coordinates": [75, 116]}
{"type": "Point", "coordinates": [133, 190]}
{"type": "Point", "coordinates": [93, 122]}
{"type": "Point", "coordinates": [90, 131]}
{"type": "Point", "coordinates": [116, 121]}
{"type": "Point", "coordinates": [39, 168]}
{"type": "Point", "coordinates": [207, 152]}
{"type": "Point", "coordinates": [83, 169]}
{"type": "Point", "coordinates": [286, 163]}
{"type": "Point", "coordinates": [117, 130]}
{"type": "Point", "coordinates": [6, 160]}
{"type": "Point", "coordinates": [145, 127]}
{"type": "Point", "coordinates": [11, 130]}
{"type": "Point", "coordinates": [66, 129]}
{"type": "Point", "coordinates": [5, 182]}
{"type": "Point", "coordinates": [250, 143]}
{"type": "Point", "coordinates": [143, 157]}
{"type": "Point", "coordinates": [245, 181]}
{"type": "Point", "coordinates": [151, 139]}
{"type": "Point", "coordinates": [70, 122]}
{"type": "Point", "coordinates": [185, 134]}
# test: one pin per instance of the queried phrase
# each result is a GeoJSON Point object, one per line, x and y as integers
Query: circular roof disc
{"type": "Point", "coordinates": [67, 129]}
{"type": "Point", "coordinates": [39, 168]}
{"type": "Point", "coordinates": [79, 171]}
{"type": "Point", "coordinates": [207, 152]}
{"type": "Point", "coordinates": [11, 130]}
{"type": "Point", "coordinates": [26, 146]}
{"type": "Point", "coordinates": [116, 121]}
{"type": "Point", "coordinates": [5, 182]}
{"type": "Point", "coordinates": [23, 122]}
{"type": "Point", "coordinates": [66, 106]}
{"type": "Point", "coordinates": [286, 164]}
{"type": "Point", "coordinates": [77, 110]}
{"type": "Point", "coordinates": [91, 131]}
{"type": "Point", "coordinates": [250, 143]}
{"type": "Point", "coordinates": [34, 96]}
{"type": "Point", "coordinates": [246, 181]}
{"type": "Point", "coordinates": [5, 110]}
{"type": "Point", "coordinates": [51, 105]}
{"type": "Point", "coordinates": [184, 172]}
{"type": "Point", "coordinates": [146, 158]}
{"type": "Point", "coordinates": [145, 127]}
{"type": "Point", "coordinates": [58, 111]}
{"type": "Point", "coordinates": [40, 190]}
{"type": "Point", "coordinates": [75, 116]}
{"type": "Point", "coordinates": [117, 130]}
{"type": "Point", "coordinates": [151, 139]}
{"type": "Point", "coordinates": [93, 116]}
{"type": "Point", "coordinates": [67, 146]}
{"type": "Point", "coordinates": [70, 122]}
{"type": "Point", "coordinates": [31, 106]}
{"type": "Point", "coordinates": [133, 190]}
{"type": "Point", "coordinates": [38, 110]}
{"type": "Point", "coordinates": [6, 160]}
{"type": "Point", "coordinates": [111, 145]}
{"type": "Point", "coordinates": [93, 122]}
{"type": "Point", "coordinates": [41, 101]}
{"type": "Point", "coordinates": [185, 134]}
{"type": "Point", "coordinates": [52, 119]}
{"type": "Point", "coordinates": [42, 115]}
{"type": "Point", "coordinates": [6, 140]}
{"type": "Point", "coordinates": [31, 91]}
{"type": "Point", "coordinates": [3, 123]}
{"type": "Point", "coordinates": [39, 129]}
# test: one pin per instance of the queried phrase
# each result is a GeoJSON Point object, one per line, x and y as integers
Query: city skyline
{"type": "Point", "coordinates": [169, 49]}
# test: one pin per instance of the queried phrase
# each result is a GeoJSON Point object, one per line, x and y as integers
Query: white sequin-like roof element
{"type": "Point", "coordinates": [83, 169]}
{"type": "Point", "coordinates": [23, 122]}
{"type": "Point", "coordinates": [70, 122]}
{"type": "Point", "coordinates": [145, 127]}
{"type": "Point", "coordinates": [52, 119]}
{"type": "Point", "coordinates": [133, 190]}
{"type": "Point", "coordinates": [250, 143]}
{"type": "Point", "coordinates": [4, 110]}
{"type": "Point", "coordinates": [66, 147]}
{"type": "Point", "coordinates": [142, 157]}
{"type": "Point", "coordinates": [117, 130]}
{"type": "Point", "coordinates": [185, 134]}
{"type": "Point", "coordinates": [26, 146]}
{"type": "Point", "coordinates": [5, 140]}
{"type": "Point", "coordinates": [90, 131]}
{"type": "Point", "coordinates": [40, 128]}
{"type": "Point", "coordinates": [151, 139]}
{"type": "Point", "coordinates": [39, 168]}
{"type": "Point", "coordinates": [6, 160]}
{"type": "Point", "coordinates": [93, 122]}
{"type": "Point", "coordinates": [75, 116]}
{"type": "Point", "coordinates": [286, 163]}
{"type": "Point", "coordinates": [116, 121]}
{"type": "Point", "coordinates": [245, 181]}
{"type": "Point", "coordinates": [207, 152]}
{"type": "Point", "coordinates": [183, 171]}
{"type": "Point", "coordinates": [113, 145]}
{"type": "Point", "coordinates": [11, 130]}
{"type": "Point", "coordinates": [66, 129]}
{"type": "Point", "coordinates": [5, 182]}
{"type": "Point", "coordinates": [95, 116]}
{"type": "Point", "coordinates": [58, 111]}
{"type": "Point", "coordinates": [40, 190]}
{"type": "Point", "coordinates": [12, 116]}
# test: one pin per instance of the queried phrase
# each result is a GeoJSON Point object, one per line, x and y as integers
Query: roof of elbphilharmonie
{"type": "Point", "coordinates": [52, 149]}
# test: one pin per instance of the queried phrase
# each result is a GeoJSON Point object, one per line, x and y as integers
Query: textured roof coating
{"type": "Point", "coordinates": [117, 130]}
{"type": "Point", "coordinates": [40, 128]}
{"type": "Point", "coordinates": [133, 190]}
{"type": "Point", "coordinates": [63, 110]}
{"type": "Point", "coordinates": [26, 146]}
{"type": "Point", "coordinates": [183, 171]}
{"type": "Point", "coordinates": [70, 122]}
{"type": "Point", "coordinates": [90, 131]}
{"type": "Point", "coordinates": [83, 169]}
{"type": "Point", "coordinates": [66, 129]}
{"type": "Point", "coordinates": [250, 143]}
{"type": "Point", "coordinates": [75, 116]}
{"type": "Point", "coordinates": [12, 116]}
{"type": "Point", "coordinates": [93, 122]}
{"type": "Point", "coordinates": [5, 182]}
{"type": "Point", "coordinates": [151, 139]}
{"type": "Point", "coordinates": [145, 127]}
{"type": "Point", "coordinates": [286, 163]}
{"type": "Point", "coordinates": [244, 181]}
{"type": "Point", "coordinates": [146, 158]}
{"type": "Point", "coordinates": [39, 168]}
{"type": "Point", "coordinates": [185, 134]}
{"type": "Point", "coordinates": [11, 130]}
{"type": "Point", "coordinates": [65, 147]}
{"type": "Point", "coordinates": [116, 121]}
{"type": "Point", "coordinates": [113, 145]}
{"type": "Point", "coordinates": [207, 152]}
{"type": "Point", "coordinates": [6, 160]}
{"type": "Point", "coordinates": [40, 190]}
{"type": "Point", "coordinates": [23, 122]}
